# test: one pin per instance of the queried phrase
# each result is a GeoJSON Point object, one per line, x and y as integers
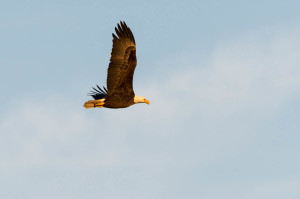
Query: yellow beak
{"type": "Point", "coordinates": [147, 102]}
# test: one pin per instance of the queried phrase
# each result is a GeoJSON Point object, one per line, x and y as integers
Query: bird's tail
{"type": "Point", "coordinates": [94, 103]}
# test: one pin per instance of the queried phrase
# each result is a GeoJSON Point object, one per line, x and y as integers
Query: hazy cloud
{"type": "Point", "coordinates": [202, 114]}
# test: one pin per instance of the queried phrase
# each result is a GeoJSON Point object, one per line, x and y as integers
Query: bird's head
{"type": "Point", "coordinates": [139, 99]}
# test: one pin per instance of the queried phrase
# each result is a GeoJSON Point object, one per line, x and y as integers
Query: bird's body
{"type": "Point", "coordinates": [119, 92]}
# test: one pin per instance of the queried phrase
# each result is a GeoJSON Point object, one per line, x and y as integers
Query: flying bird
{"type": "Point", "coordinates": [119, 92]}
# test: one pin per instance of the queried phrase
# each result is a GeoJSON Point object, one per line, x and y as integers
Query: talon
{"type": "Point", "coordinates": [94, 104]}
{"type": "Point", "coordinates": [99, 104]}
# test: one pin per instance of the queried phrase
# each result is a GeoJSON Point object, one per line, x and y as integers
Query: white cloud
{"type": "Point", "coordinates": [242, 76]}
{"type": "Point", "coordinates": [200, 114]}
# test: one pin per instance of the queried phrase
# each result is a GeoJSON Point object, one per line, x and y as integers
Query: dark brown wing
{"type": "Point", "coordinates": [122, 62]}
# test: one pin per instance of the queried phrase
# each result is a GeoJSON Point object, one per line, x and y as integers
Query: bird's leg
{"type": "Point", "coordinates": [94, 103]}
{"type": "Point", "coordinates": [99, 104]}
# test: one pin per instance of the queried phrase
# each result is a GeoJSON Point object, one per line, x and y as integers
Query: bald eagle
{"type": "Point", "coordinates": [119, 92]}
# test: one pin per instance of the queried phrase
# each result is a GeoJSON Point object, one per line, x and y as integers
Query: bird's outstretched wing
{"type": "Point", "coordinates": [122, 62]}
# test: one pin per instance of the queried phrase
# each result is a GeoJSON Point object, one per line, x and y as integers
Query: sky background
{"type": "Point", "coordinates": [222, 78]}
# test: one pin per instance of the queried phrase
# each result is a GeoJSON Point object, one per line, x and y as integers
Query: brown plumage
{"type": "Point", "coordinates": [119, 93]}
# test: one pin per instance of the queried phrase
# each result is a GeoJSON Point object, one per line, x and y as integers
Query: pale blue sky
{"type": "Point", "coordinates": [222, 78]}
